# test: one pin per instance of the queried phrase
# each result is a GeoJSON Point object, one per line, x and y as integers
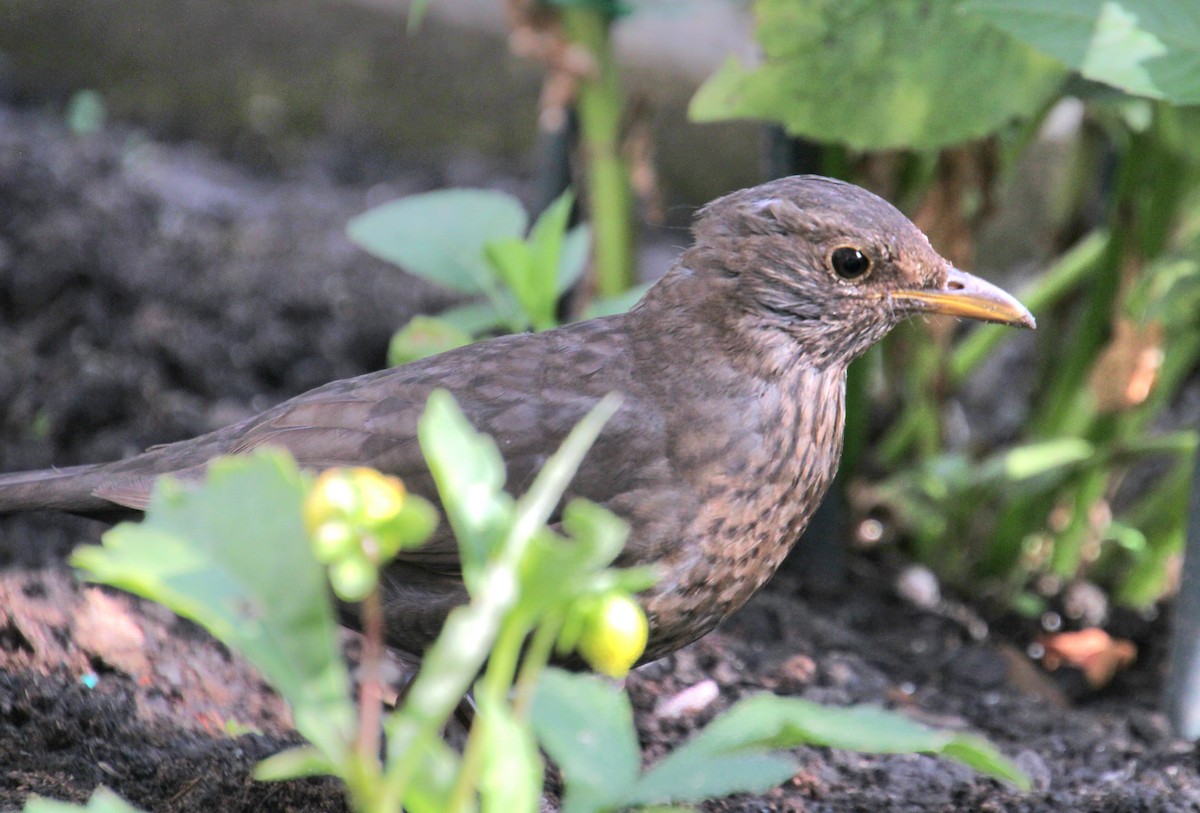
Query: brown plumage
{"type": "Point", "coordinates": [732, 369]}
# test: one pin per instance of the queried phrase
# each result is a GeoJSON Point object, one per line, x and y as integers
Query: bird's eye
{"type": "Point", "coordinates": [849, 263]}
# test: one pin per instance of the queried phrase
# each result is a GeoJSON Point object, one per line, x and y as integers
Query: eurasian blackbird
{"type": "Point", "coordinates": [732, 369]}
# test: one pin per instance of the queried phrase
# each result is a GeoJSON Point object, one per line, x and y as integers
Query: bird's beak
{"type": "Point", "coordinates": [967, 295]}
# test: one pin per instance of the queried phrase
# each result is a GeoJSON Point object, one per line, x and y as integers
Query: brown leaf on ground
{"type": "Point", "coordinates": [1092, 651]}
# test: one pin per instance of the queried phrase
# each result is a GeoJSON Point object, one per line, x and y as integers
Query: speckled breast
{"type": "Point", "coordinates": [752, 510]}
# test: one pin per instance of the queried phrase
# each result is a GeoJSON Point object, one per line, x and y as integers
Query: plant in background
{"type": "Point", "coordinates": [247, 553]}
{"type": "Point", "coordinates": [573, 40]}
{"type": "Point", "coordinates": [471, 241]}
{"type": "Point", "coordinates": [912, 83]}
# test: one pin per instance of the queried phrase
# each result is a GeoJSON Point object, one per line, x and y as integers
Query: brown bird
{"type": "Point", "coordinates": [732, 369]}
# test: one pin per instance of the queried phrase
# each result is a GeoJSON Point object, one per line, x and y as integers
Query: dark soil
{"type": "Point", "coordinates": [148, 293]}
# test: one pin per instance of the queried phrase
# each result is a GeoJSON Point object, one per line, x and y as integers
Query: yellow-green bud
{"type": "Point", "coordinates": [353, 577]}
{"type": "Point", "coordinates": [614, 634]}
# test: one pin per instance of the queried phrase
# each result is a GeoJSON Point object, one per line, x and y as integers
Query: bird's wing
{"type": "Point", "coordinates": [526, 391]}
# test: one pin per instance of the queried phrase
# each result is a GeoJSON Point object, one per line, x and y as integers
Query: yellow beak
{"type": "Point", "coordinates": [967, 295]}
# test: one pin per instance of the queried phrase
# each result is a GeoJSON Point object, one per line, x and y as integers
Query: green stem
{"type": "Point", "coordinates": [534, 663]}
{"type": "Point", "coordinates": [600, 107]}
{"type": "Point", "coordinates": [490, 692]}
{"type": "Point", "coordinates": [1070, 270]}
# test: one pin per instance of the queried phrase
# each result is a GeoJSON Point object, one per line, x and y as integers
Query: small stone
{"type": "Point", "coordinates": [918, 585]}
{"type": "Point", "coordinates": [1087, 603]}
{"type": "Point", "coordinates": [689, 702]}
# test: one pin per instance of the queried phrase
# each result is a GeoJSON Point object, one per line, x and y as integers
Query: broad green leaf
{"type": "Point", "coordinates": [511, 779]}
{"type": "Point", "coordinates": [233, 555]}
{"type": "Point", "coordinates": [470, 474]}
{"type": "Point", "coordinates": [441, 235]}
{"type": "Point", "coordinates": [102, 801]}
{"type": "Point", "coordinates": [1145, 47]}
{"type": "Point", "coordinates": [765, 720]}
{"type": "Point", "coordinates": [872, 75]}
{"type": "Point", "coordinates": [586, 726]}
{"type": "Point", "coordinates": [711, 777]}
{"type": "Point", "coordinates": [422, 337]}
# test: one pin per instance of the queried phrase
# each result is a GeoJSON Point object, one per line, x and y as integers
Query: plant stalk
{"type": "Point", "coordinates": [599, 103]}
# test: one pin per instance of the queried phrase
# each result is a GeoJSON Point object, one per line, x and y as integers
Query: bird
{"type": "Point", "coordinates": [732, 372]}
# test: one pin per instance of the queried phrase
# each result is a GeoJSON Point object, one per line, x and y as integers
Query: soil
{"type": "Point", "coordinates": [149, 293]}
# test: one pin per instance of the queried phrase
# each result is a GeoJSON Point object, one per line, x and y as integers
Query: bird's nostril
{"type": "Point", "coordinates": [954, 285]}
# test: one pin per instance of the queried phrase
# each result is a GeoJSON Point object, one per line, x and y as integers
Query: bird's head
{"type": "Point", "coordinates": [833, 265]}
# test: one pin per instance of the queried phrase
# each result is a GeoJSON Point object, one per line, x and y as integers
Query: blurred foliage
{"type": "Point", "coordinates": [873, 75]}
{"type": "Point", "coordinates": [471, 240]}
{"type": "Point", "coordinates": [1119, 331]}
{"type": "Point", "coordinates": [242, 554]}
{"type": "Point", "coordinates": [1145, 47]}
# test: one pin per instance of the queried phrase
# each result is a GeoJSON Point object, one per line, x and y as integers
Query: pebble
{"type": "Point", "coordinates": [919, 585]}
{"type": "Point", "coordinates": [689, 702]}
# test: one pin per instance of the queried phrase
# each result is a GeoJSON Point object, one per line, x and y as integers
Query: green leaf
{"type": "Point", "coordinates": [474, 318]}
{"type": "Point", "coordinates": [572, 260]}
{"type": "Point", "coordinates": [548, 239]}
{"type": "Point", "coordinates": [1145, 47]}
{"type": "Point", "coordinates": [612, 305]}
{"type": "Point", "coordinates": [978, 753]}
{"type": "Point", "coordinates": [765, 720]}
{"type": "Point", "coordinates": [1033, 459]}
{"type": "Point", "coordinates": [470, 474]}
{"type": "Point", "coordinates": [424, 336]}
{"type": "Point", "coordinates": [586, 726]}
{"type": "Point", "coordinates": [441, 235]}
{"type": "Point", "coordinates": [534, 269]}
{"type": "Point", "coordinates": [102, 801]}
{"type": "Point", "coordinates": [708, 778]}
{"type": "Point", "coordinates": [511, 779]}
{"type": "Point", "coordinates": [303, 760]}
{"type": "Point", "coordinates": [514, 263]}
{"type": "Point", "coordinates": [871, 75]}
{"type": "Point", "coordinates": [599, 534]}
{"type": "Point", "coordinates": [234, 556]}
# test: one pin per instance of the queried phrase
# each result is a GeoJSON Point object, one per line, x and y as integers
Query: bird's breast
{"type": "Point", "coordinates": [764, 474]}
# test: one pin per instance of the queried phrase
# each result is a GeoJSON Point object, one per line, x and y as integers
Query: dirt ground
{"type": "Point", "coordinates": [149, 293]}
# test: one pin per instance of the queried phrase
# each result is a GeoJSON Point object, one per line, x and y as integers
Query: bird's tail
{"type": "Point", "coordinates": [68, 489]}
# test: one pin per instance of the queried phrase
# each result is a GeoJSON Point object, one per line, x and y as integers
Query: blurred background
{"type": "Point", "coordinates": [1045, 476]}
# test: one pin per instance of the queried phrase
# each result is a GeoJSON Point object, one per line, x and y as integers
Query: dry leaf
{"type": "Point", "coordinates": [1092, 651]}
{"type": "Point", "coordinates": [1128, 367]}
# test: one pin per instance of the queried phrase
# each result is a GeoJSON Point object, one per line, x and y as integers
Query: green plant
{"type": "Point", "coordinates": [242, 555]}
{"type": "Point", "coordinates": [585, 28]}
{"type": "Point", "coordinates": [913, 82]}
{"type": "Point", "coordinates": [471, 241]}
